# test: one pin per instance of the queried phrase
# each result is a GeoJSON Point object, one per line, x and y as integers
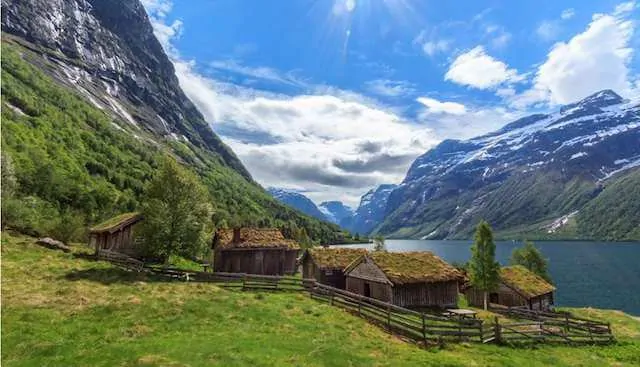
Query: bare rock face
{"type": "Point", "coordinates": [50, 243]}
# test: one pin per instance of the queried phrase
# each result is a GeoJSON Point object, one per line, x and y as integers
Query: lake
{"type": "Point", "coordinates": [586, 273]}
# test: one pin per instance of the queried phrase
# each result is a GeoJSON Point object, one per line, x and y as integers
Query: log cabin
{"type": "Point", "coordinates": [254, 251]}
{"type": "Point", "coordinates": [327, 265]}
{"type": "Point", "coordinates": [406, 279]}
{"type": "Point", "coordinates": [519, 287]}
{"type": "Point", "coordinates": [116, 234]}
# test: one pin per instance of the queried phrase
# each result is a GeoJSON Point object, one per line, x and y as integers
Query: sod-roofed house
{"type": "Point", "coordinates": [407, 279]}
{"type": "Point", "coordinates": [254, 251]}
{"type": "Point", "coordinates": [518, 287]}
{"type": "Point", "coordinates": [327, 265]}
{"type": "Point", "coordinates": [116, 234]}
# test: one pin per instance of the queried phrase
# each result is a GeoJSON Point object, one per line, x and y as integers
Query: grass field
{"type": "Point", "coordinates": [65, 310]}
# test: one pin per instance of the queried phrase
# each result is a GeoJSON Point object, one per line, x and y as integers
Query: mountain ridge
{"type": "Point", "coordinates": [563, 157]}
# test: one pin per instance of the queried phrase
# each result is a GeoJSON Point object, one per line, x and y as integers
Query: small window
{"type": "Point", "coordinates": [328, 272]}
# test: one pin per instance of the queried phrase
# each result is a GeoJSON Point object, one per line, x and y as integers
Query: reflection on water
{"type": "Point", "coordinates": [596, 274]}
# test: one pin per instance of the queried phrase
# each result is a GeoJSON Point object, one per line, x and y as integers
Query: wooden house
{"type": "Point", "coordinates": [407, 279]}
{"type": "Point", "coordinates": [116, 234]}
{"type": "Point", "coordinates": [327, 265]}
{"type": "Point", "coordinates": [254, 251]}
{"type": "Point", "coordinates": [519, 287]}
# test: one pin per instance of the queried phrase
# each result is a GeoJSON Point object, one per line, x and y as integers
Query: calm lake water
{"type": "Point", "coordinates": [596, 274]}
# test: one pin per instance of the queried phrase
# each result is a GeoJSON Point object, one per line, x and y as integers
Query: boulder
{"type": "Point", "coordinates": [49, 242]}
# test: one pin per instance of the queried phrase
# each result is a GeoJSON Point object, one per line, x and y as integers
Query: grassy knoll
{"type": "Point", "coordinates": [64, 310]}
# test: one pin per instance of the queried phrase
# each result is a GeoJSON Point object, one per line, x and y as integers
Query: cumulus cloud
{"type": "Point", "coordinates": [435, 106]}
{"type": "Point", "coordinates": [475, 68]}
{"type": "Point", "coordinates": [596, 59]}
{"type": "Point", "coordinates": [431, 45]}
{"type": "Point", "coordinates": [333, 143]}
{"type": "Point", "coordinates": [473, 122]}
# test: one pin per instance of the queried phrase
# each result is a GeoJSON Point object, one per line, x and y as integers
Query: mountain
{"type": "Point", "coordinates": [91, 102]}
{"type": "Point", "coordinates": [545, 175]}
{"type": "Point", "coordinates": [371, 211]}
{"type": "Point", "coordinates": [336, 212]}
{"type": "Point", "coordinates": [297, 201]}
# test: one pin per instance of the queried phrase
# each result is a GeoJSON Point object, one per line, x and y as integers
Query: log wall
{"type": "Point", "coordinates": [256, 261]}
{"type": "Point", "coordinates": [437, 294]}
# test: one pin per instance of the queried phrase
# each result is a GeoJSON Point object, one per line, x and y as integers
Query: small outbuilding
{"type": "Point", "coordinates": [116, 234]}
{"type": "Point", "coordinates": [327, 265]}
{"type": "Point", "coordinates": [254, 251]}
{"type": "Point", "coordinates": [519, 287]}
{"type": "Point", "coordinates": [407, 279]}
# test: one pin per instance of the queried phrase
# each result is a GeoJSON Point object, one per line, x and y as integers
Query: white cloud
{"type": "Point", "coordinates": [463, 122]}
{"type": "Point", "coordinates": [499, 37]}
{"type": "Point", "coordinates": [308, 141]}
{"type": "Point", "coordinates": [595, 59]}
{"type": "Point", "coordinates": [390, 88]}
{"type": "Point", "coordinates": [435, 106]}
{"type": "Point", "coordinates": [260, 72]}
{"type": "Point", "coordinates": [477, 69]}
{"type": "Point", "coordinates": [433, 47]}
{"type": "Point", "coordinates": [548, 30]}
{"type": "Point", "coordinates": [430, 45]}
{"type": "Point", "coordinates": [624, 8]}
{"type": "Point", "coordinates": [567, 14]}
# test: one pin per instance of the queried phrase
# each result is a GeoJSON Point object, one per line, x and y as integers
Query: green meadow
{"type": "Point", "coordinates": [67, 310]}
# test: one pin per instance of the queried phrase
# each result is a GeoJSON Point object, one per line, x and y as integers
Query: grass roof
{"type": "Point", "coordinates": [414, 267]}
{"type": "Point", "coordinates": [255, 238]}
{"type": "Point", "coordinates": [116, 222]}
{"type": "Point", "coordinates": [525, 281]}
{"type": "Point", "coordinates": [335, 258]}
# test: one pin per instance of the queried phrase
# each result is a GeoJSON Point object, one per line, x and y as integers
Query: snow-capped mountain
{"type": "Point", "coordinates": [536, 169]}
{"type": "Point", "coordinates": [336, 212]}
{"type": "Point", "coordinates": [297, 201]}
{"type": "Point", "coordinates": [371, 210]}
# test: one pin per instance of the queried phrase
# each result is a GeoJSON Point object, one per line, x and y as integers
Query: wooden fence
{"type": "Point", "coordinates": [550, 327]}
{"type": "Point", "coordinates": [420, 327]}
{"type": "Point", "coordinates": [121, 260]}
{"type": "Point", "coordinates": [417, 326]}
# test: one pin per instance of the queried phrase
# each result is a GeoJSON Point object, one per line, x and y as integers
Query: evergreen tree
{"type": "Point", "coordinates": [484, 270]}
{"type": "Point", "coordinates": [177, 213]}
{"type": "Point", "coordinates": [531, 258]}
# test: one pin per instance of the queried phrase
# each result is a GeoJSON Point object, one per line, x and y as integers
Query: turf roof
{"type": "Point", "coordinates": [115, 222]}
{"type": "Point", "coordinates": [255, 238]}
{"type": "Point", "coordinates": [414, 267]}
{"type": "Point", "coordinates": [335, 258]}
{"type": "Point", "coordinates": [525, 281]}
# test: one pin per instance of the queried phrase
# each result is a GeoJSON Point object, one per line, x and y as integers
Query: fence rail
{"type": "Point", "coordinates": [420, 327]}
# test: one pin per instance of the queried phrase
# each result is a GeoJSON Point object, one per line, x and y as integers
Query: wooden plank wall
{"type": "Point", "coordinates": [438, 294]}
{"type": "Point", "coordinates": [381, 291]}
{"type": "Point", "coordinates": [256, 261]}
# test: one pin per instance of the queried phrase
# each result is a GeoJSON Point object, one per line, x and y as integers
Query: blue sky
{"type": "Point", "coordinates": [333, 97]}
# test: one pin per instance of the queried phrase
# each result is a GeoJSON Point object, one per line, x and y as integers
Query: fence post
{"type": "Point", "coordinates": [389, 316]}
{"type": "Point", "coordinates": [481, 332]}
{"type": "Point", "coordinates": [359, 307]}
{"type": "Point", "coordinates": [566, 320]}
{"type": "Point", "coordinates": [424, 330]}
{"type": "Point", "coordinates": [497, 331]}
{"type": "Point", "coordinates": [332, 294]}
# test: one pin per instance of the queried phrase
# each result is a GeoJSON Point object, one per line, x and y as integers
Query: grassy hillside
{"type": "Point", "coordinates": [62, 309]}
{"type": "Point", "coordinates": [615, 213]}
{"type": "Point", "coordinates": [71, 158]}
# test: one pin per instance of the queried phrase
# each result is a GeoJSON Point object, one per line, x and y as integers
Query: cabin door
{"type": "Point", "coordinates": [367, 290]}
{"type": "Point", "coordinates": [493, 298]}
